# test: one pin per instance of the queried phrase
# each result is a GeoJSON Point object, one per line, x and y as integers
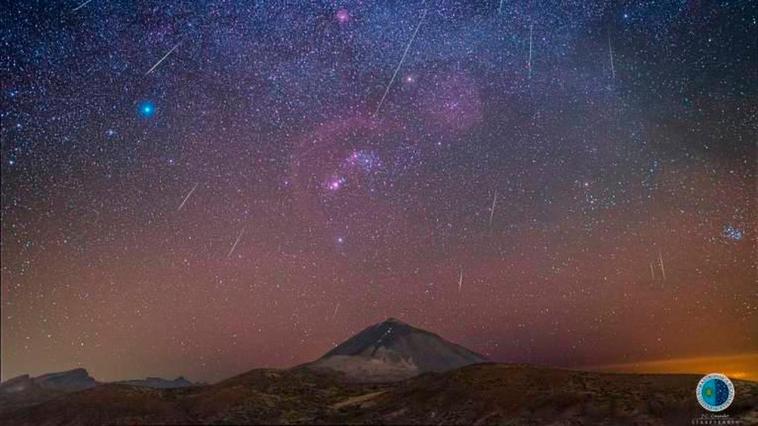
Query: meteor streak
{"type": "Point", "coordinates": [234, 246]}
{"type": "Point", "coordinates": [188, 196]}
{"type": "Point", "coordinates": [660, 262]}
{"type": "Point", "coordinates": [529, 64]}
{"type": "Point", "coordinates": [81, 6]}
{"type": "Point", "coordinates": [400, 64]}
{"type": "Point", "coordinates": [162, 59]}
{"type": "Point", "coordinates": [610, 53]}
{"type": "Point", "coordinates": [492, 209]}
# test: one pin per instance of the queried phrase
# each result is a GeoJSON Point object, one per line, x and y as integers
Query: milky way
{"type": "Point", "coordinates": [200, 188]}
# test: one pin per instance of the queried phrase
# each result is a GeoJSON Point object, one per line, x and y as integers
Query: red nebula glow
{"type": "Point", "coordinates": [343, 16]}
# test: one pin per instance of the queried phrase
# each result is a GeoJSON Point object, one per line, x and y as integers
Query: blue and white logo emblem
{"type": "Point", "coordinates": [715, 392]}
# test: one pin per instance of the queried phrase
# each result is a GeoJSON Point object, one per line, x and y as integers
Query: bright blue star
{"type": "Point", "coordinates": [147, 109]}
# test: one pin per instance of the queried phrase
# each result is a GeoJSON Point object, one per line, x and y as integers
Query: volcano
{"type": "Point", "coordinates": [393, 350]}
{"type": "Point", "coordinates": [374, 361]}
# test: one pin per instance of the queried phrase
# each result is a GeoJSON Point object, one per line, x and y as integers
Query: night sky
{"type": "Point", "coordinates": [202, 188]}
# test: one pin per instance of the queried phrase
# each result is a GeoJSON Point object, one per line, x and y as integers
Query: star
{"type": "Point", "coordinates": [147, 109]}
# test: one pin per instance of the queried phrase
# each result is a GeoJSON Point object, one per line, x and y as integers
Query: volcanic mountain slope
{"type": "Point", "coordinates": [522, 394]}
{"type": "Point", "coordinates": [394, 350]}
{"type": "Point", "coordinates": [476, 394]}
{"type": "Point", "coordinates": [316, 393]}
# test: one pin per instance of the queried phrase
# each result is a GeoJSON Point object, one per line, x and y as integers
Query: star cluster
{"type": "Point", "coordinates": [199, 188]}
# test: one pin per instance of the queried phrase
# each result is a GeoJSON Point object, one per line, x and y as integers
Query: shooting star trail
{"type": "Point", "coordinates": [460, 281]}
{"type": "Point", "coordinates": [492, 209]}
{"type": "Point", "coordinates": [610, 53]}
{"type": "Point", "coordinates": [402, 59]}
{"type": "Point", "coordinates": [188, 196]}
{"type": "Point", "coordinates": [162, 59]}
{"type": "Point", "coordinates": [529, 64]}
{"type": "Point", "coordinates": [81, 6]}
{"type": "Point", "coordinates": [500, 8]}
{"type": "Point", "coordinates": [336, 308]}
{"type": "Point", "coordinates": [239, 237]}
{"type": "Point", "coordinates": [660, 262]}
{"type": "Point", "coordinates": [652, 272]}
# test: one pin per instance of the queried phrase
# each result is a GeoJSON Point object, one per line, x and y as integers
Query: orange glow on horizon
{"type": "Point", "coordinates": [740, 366]}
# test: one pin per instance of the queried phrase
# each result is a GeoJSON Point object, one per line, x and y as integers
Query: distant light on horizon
{"type": "Point", "coordinates": [738, 366]}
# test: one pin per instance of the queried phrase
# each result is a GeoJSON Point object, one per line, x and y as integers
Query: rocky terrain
{"type": "Point", "coordinates": [25, 391]}
{"type": "Point", "coordinates": [477, 394]}
{"type": "Point", "coordinates": [481, 393]}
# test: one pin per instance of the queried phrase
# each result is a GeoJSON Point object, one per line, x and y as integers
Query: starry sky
{"type": "Point", "coordinates": [201, 188]}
